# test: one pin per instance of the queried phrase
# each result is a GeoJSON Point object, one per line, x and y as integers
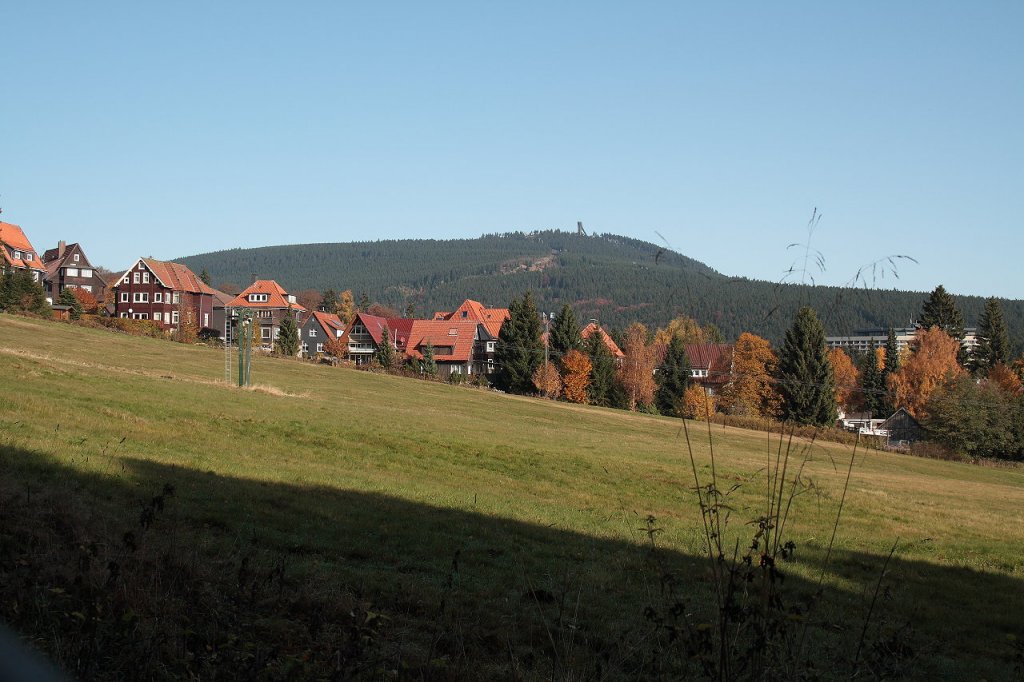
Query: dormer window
{"type": "Point", "coordinates": [28, 256]}
{"type": "Point", "coordinates": [259, 298]}
{"type": "Point", "coordinates": [291, 299]}
{"type": "Point", "coordinates": [17, 255]}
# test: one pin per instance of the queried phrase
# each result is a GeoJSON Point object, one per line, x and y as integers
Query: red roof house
{"type": "Point", "coordinates": [18, 252]}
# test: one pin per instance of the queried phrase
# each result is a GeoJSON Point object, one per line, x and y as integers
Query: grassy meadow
{"type": "Point", "coordinates": [333, 522]}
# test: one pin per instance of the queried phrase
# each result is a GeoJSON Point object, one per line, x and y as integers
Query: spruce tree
{"type": "Point", "coordinates": [68, 298]}
{"type": "Point", "coordinates": [204, 276]}
{"type": "Point", "coordinates": [872, 385]}
{"type": "Point", "coordinates": [385, 351]}
{"type": "Point", "coordinates": [364, 302]}
{"type": "Point", "coordinates": [601, 389]}
{"type": "Point", "coordinates": [806, 381]}
{"type": "Point", "coordinates": [329, 301]}
{"type": "Point", "coordinates": [939, 310]}
{"type": "Point", "coordinates": [520, 350]}
{"type": "Point", "coordinates": [673, 377]}
{"type": "Point", "coordinates": [892, 365]}
{"type": "Point", "coordinates": [428, 364]}
{"type": "Point", "coordinates": [287, 342]}
{"type": "Point", "coordinates": [993, 338]}
{"type": "Point", "coordinates": [564, 334]}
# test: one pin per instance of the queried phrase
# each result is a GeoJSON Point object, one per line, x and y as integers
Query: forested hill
{"type": "Point", "coordinates": [615, 279]}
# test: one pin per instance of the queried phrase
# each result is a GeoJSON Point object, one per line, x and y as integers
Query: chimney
{"type": "Point", "coordinates": [61, 246]}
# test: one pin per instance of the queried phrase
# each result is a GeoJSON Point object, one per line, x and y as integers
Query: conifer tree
{"type": "Point", "coordinates": [287, 342]}
{"type": "Point", "coordinates": [806, 381]}
{"type": "Point", "coordinates": [329, 301]}
{"type": "Point", "coordinates": [872, 386]}
{"type": "Point", "coordinates": [520, 349]}
{"type": "Point", "coordinates": [385, 351]}
{"type": "Point", "coordinates": [428, 364]}
{"type": "Point", "coordinates": [673, 377]}
{"type": "Point", "coordinates": [892, 365]}
{"type": "Point", "coordinates": [67, 297]}
{"type": "Point", "coordinates": [564, 334]}
{"type": "Point", "coordinates": [601, 389]}
{"type": "Point", "coordinates": [364, 302]}
{"type": "Point", "coordinates": [939, 310]}
{"type": "Point", "coordinates": [993, 338]}
{"type": "Point", "coordinates": [204, 276]}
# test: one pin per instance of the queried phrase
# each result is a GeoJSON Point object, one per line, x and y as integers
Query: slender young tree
{"type": "Point", "coordinates": [386, 351]}
{"type": "Point", "coordinates": [564, 334]}
{"type": "Point", "coordinates": [636, 373]}
{"type": "Point", "coordinates": [806, 380]}
{"type": "Point", "coordinates": [428, 364]}
{"type": "Point", "coordinates": [346, 309]}
{"type": "Point", "coordinates": [287, 342]}
{"type": "Point", "coordinates": [873, 389]}
{"type": "Point", "coordinates": [993, 338]}
{"type": "Point", "coordinates": [673, 377]}
{"type": "Point", "coordinates": [520, 349]}
{"type": "Point", "coordinates": [601, 389]}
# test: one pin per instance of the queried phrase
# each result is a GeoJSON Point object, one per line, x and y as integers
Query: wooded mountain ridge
{"type": "Point", "coordinates": [616, 280]}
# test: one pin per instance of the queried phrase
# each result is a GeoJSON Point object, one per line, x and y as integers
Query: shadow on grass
{"type": "Point", "coordinates": [154, 571]}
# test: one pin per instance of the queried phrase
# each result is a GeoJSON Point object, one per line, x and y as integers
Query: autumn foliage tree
{"type": "Point", "coordinates": [847, 376]}
{"type": "Point", "coordinates": [89, 303]}
{"type": "Point", "coordinates": [683, 328]}
{"type": "Point", "coordinates": [636, 373]}
{"type": "Point", "coordinates": [932, 364]}
{"type": "Point", "coordinates": [576, 376]}
{"type": "Point", "coordinates": [697, 403]}
{"type": "Point", "coordinates": [751, 391]}
{"type": "Point", "coordinates": [547, 380]}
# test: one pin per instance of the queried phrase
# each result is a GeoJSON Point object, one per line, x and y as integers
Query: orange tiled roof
{"type": "Point", "coordinates": [277, 297]}
{"type": "Point", "coordinates": [715, 358]}
{"type": "Point", "coordinates": [459, 334]}
{"type": "Point", "coordinates": [14, 237]}
{"type": "Point", "coordinates": [612, 346]}
{"type": "Point", "coordinates": [329, 321]}
{"type": "Point", "coordinates": [492, 318]}
{"type": "Point", "coordinates": [177, 277]}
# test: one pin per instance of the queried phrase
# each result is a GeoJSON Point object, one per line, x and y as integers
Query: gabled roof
{"type": "Point", "coordinates": [458, 334]}
{"type": "Point", "coordinates": [173, 276]}
{"type": "Point", "coordinates": [492, 318]}
{"type": "Point", "coordinates": [327, 321]}
{"type": "Point", "coordinates": [714, 358]}
{"type": "Point", "coordinates": [14, 237]}
{"type": "Point", "coordinates": [277, 297]}
{"type": "Point", "coordinates": [612, 346]}
{"type": "Point", "coordinates": [55, 260]}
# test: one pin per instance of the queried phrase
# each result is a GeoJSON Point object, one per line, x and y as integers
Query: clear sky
{"type": "Point", "coordinates": [174, 128]}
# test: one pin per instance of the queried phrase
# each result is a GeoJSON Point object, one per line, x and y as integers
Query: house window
{"type": "Point", "coordinates": [17, 255]}
{"type": "Point", "coordinates": [76, 257]}
{"type": "Point", "coordinates": [124, 297]}
{"type": "Point", "coordinates": [140, 316]}
{"type": "Point", "coordinates": [145, 278]}
{"type": "Point", "coordinates": [124, 315]}
{"type": "Point", "coordinates": [319, 348]}
{"type": "Point", "coordinates": [490, 346]}
{"type": "Point", "coordinates": [141, 297]}
{"type": "Point", "coordinates": [265, 333]}
{"type": "Point", "coordinates": [259, 298]}
{"type": "Point", "coordinates": [174, 317]}
{"type": "Point", "coordinates": [312, 333]}
{"type": "Point", "coordinates": [87, 287]}
{"type": "Point", "coordinates": [71, 272]}
{"type": "Point", "coordinates": [86, 272]}
{"type": "Point", "coordinates": [158, 297]}
{"type": "Point", "coordinates": [176, 297]}
{"type": "Point", "coordinates": [305, 347]}
{"type": "Point", "coordinates": [135, 278]}
{"type": "Point", "coordinates": [158, 316]}
{"type": "Point", "coordinates": [206, 319]}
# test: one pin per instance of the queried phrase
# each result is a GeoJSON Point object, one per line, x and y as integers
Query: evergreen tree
{"type": "Point", "coordinates": [993, 338]}
{"type": "Point", "coordinates": [410, 311]}
{"type": "Point", "coordinates": [673, 377]}
{"type": "Point", "coordinates": [892, 365]}
{"type": "Point", "coordinates": [205, 277]}
{"type": "Point", "coordinates": [564, 334]}
{"type": "Point", "coordinates": [385, 351]}
{"type": "Point", "coordinates": [520, 349]}
{"type": "Point", "coordinates": [601, 389]}
{"type": "Point", "coordinates": [287, 342]}
{"type": "Point", "coordinates": [873, 386]}
{"type": "Point", "coordinates": [20, 292]}
{"type": "Point", "coordinates": [939, 310]}
{"type": "Point", "coordinates": [364, 302]}
{"type": "Point", "coordinates": [68, 298]}
{"type": "Point", "coordinates": [806, 381]}
{"type": "Point", "coordinates": [428, 365]}
{"type": "Point", "coordinates": [329, 301]}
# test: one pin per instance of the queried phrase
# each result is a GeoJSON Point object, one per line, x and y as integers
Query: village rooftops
{"type": "Point", "coordinates": [19, 252]}
{"type": "Point", "coordinates": [265, 293]}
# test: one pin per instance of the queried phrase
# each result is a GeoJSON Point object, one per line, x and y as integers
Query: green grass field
{"type": "Point", "coordinates": [333, 521]}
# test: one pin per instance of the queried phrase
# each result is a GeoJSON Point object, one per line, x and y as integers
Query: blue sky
{"type": "Point", "coordinates": [168, 129]}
